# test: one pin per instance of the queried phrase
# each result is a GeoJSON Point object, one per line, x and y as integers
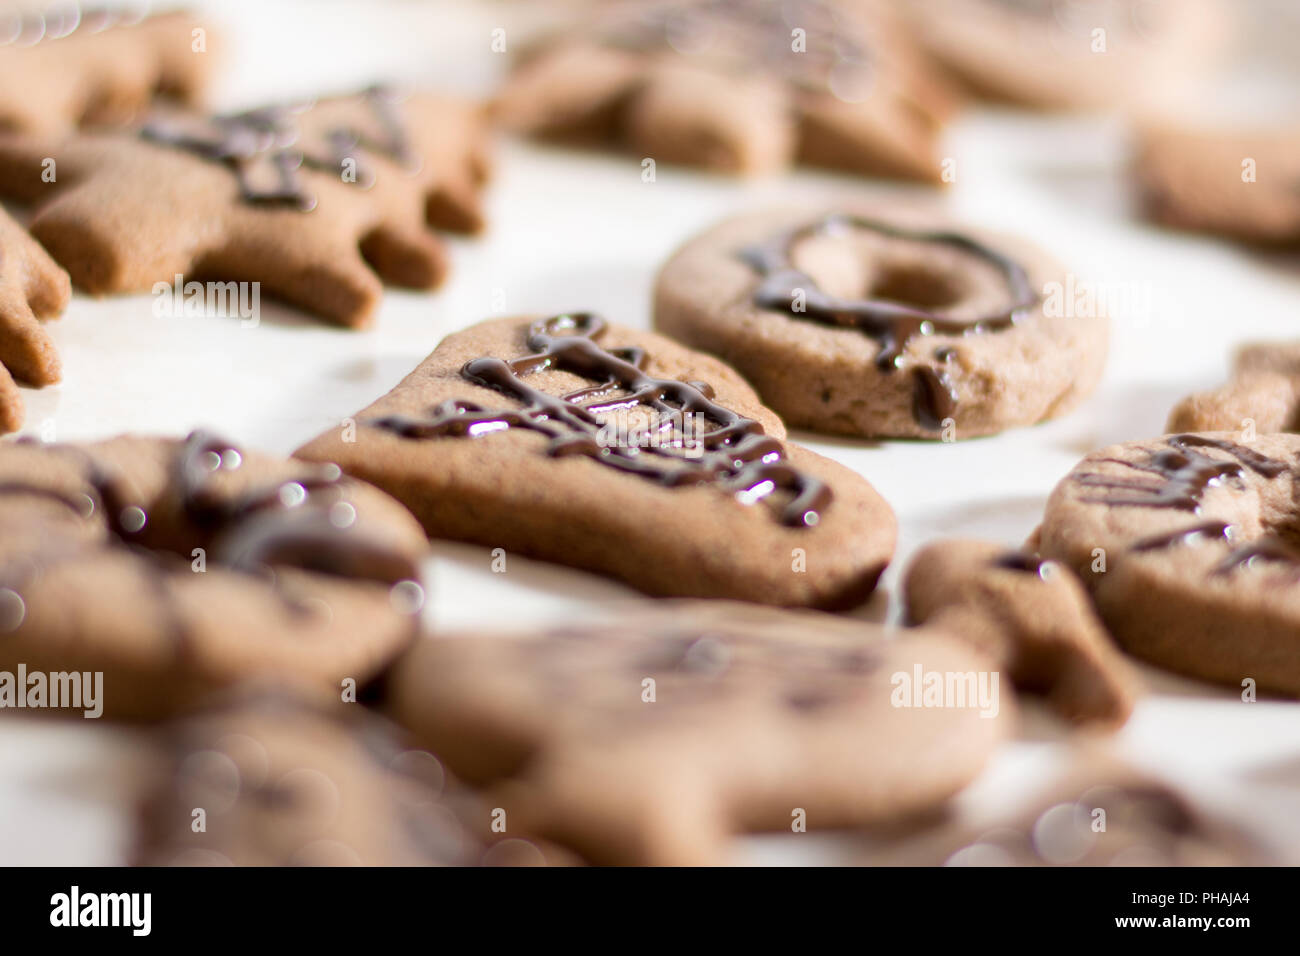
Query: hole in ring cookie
{"type": "Point", "coordinates": [909, 284]}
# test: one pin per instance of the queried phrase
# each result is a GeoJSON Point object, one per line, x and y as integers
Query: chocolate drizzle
{"type": "Point", "coordinates": [893, 325]}
{"type": "Point", "coordinates": [1268, 550]}
{"type": "Point", "coordinates": [279, 524]}
{"type": "Point", "coordinates": [254, 141]}
{"type": "Point", "coordinates": [1021, 562]}
{"type": "Point", "coordinates": [1209, 531]}
{"type": "Point", "coordinates": [733, 453]}
{"type": "Point", "coordinates": [753, 34]}
{"type": "Point", "coordinates": [1182, 474]}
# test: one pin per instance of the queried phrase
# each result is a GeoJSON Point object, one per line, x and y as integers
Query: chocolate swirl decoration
{"type": "Point", "coordinates": [891, 324]}
{"type": "Point", "coordinates": [735, 454]}
{"type": "Point", "coordinates": [1183, 474]}
{"type": "Point", "coordinates": [251, 141]}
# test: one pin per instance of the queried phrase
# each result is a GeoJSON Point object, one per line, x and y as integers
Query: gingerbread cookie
{"type": "Point", "coordinates": [593, 445]}
{"type": "Point", "coordinates": [1263, 396]}
{"type": "Point", "coordinates": [1244, 184]}
{"type": "Point", "coordinates": [174, 567]}
{"type": "Point", "coordinates": [1184, 542]}
{"type": "Point", "coordinates": [1096, 812]}
{"type": "Point", "coordinates": [873, 320]}
{"type": "Point", "coordinates": [1048, 54]}
{"type": "Point", "coordinates": [72, 66]}
{"type": "Point", "coordinates": [32, 287]}
{"type": "Point", "coordinates": [276, 781]}
{"type": "Point", "coordinates": [740, 86]}
{"type": "Point", "coordinates": [650, 740]}
{"type": "Point", "coordinates": [317, 202]}
{"type": "Point", "coordinates": [1032, 618]}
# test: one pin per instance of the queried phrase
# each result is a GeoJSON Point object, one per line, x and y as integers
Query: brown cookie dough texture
{"type": "Point", "coordinates": [716, 83]}
{"type": "Point", "coordinates": [318, 202]}
{"type": "Point", "coordinates": [267, 780]}
{"type": "Point", "coordinates": [1185, 543]}
{"type": "Point", "coordinates": [1097, 811]}
{"type": "Point", "coordinates": [1264, 394]}
{"type": "Point", "coordinates": [1046, 54]}
{"type": "Point", "coordinates": [1010, 357]}
{"type": "Point", "coordinates": [177, 567]}
{"type": "Point", "coordinates": [1033, 618]}
{"type": "Point", "coordinates": [475, 463]}
{"type": "Point", "coordinates": [652, 740]}
{"type": "Point", "coordinates": [73, 67]}
{"type": "Point", "coordinates": [32, 287]}
{"type": "Point", "coordinates": [1243, 184]}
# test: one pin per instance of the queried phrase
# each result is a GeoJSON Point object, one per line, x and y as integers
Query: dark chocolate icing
{"type": "Point", "coordinates": [1182, 474]}
{"type": "Point", "coordinates": [753, 35]}
{"type": "Point", "coordinates": [270, 137]}
{"type": "Point", "coordinates": [891, 324]}
{"type": "Point", "coordinates": [279, 524]}
{"type": "Point", "coordinates": [1210, 531]}
{"type": "Point", "coordinates": [735, 454]}
{"type": "Point", "coordinates": [1020, 561]}
{"type": "Point", "coordinates": [1269, 550]}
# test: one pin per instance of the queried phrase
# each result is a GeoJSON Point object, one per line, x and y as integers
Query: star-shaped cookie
{"type": "Point", "coordinates": [32, 287]}
{"type": "Point", "coordinates": [319, 203]}
{"type": "Point", "coordinates": [742, 86]}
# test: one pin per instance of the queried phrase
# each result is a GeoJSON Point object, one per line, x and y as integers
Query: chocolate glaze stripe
{"type": "Point", "coordinates": [891, 324]}
{"type": "Point", "coordinates": [258, 529]}
{"type": "Point", "coordinates": [1021, 562]}
{"type": "Point", "coordinates": [1268, 550]}
{"type": "Point", "coordinates": [735, 455]}
{"type": "Point", "coordinates": [1182, 474]}
{"type": "Point", "coordinates": [271, 135]}
{"type": "Point", "coordinates": [1209, 531]}
{"type": "Point", "coordinates": [279, 524]}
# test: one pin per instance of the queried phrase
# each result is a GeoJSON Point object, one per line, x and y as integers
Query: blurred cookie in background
{"type": "Point", "coordinates": [67, 65]}
{"type": "Point", "coordinates": [738, 86]}
{"type": "Point", "coordinates": [1242, 184]}
{"type": "Point", "coordinates": [1072, 54]}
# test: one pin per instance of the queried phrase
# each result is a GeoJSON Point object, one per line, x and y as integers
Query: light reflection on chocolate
{"type": "Point", "coordinates": [734, 454]}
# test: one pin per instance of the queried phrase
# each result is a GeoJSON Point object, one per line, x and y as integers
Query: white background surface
{"type": "Point", "coordinates": [582, 231]}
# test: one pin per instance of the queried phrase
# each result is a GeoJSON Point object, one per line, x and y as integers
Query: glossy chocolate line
{"type": "Point", "coordinates": [735, 455]}
{"type": "Point", "coordinates": [892, 325]}
{"type": "Point", "coordinates": [82, 506]}
{"type": "Point", "coordinates": [258, 529]}
{"type": "Point", "coordinates": [269, 135]}
{"type": "Point", "coordinates": [1181, 473]}
{"type": "Point", "coordinates": [1266, 550]}
{"type": "Point", "coordinates": [1209, 531]}
{"type": "Point", "coordinates": [1020, 561]}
